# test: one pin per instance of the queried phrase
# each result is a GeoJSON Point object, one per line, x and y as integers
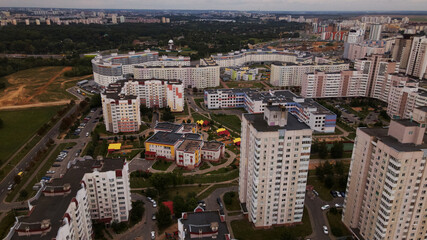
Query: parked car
{"type": "Point", "coordinates": [149, 199]}
{"type": "Point", "coordinates": [338, 194]}
{"type": "Point", "coordinates": [56, 165]}
{"type": "Point", "coordinates": [201, 203]}
{"type": "Point", "coordinates": [325, 207]}
{"type": "Point", "coordinates": [218, 200]}
{"type": "Point", "coordinates": [315, 192]}
{"type": "Point", "coordinates": [87, 134]}
{"type": "Point", "coordinates": [50, 172]}
{"type": "Point", "coordinates": [10, 187]}
{"type": "Point", "coordinates": [337, 205]}
{"type": "Point", "coordinates": [342, 194]}
{"type": "Point", "coordinates": [153, 235]}
{"type": "Point", "coordinates": [154, 204]}
{"type": "Point", "coordinates": [334, 194]}
{"type": "Point", "coordinates": [325, 229]}
{"type": "Point", "coordinates": [153, 217]}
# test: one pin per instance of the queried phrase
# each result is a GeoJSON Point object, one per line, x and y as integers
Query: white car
{"type": "Point", "coordinates": [325, 207]}
{"type": "Point", "coordinates": [153, 235]}
{"type": "Point", "coordinates": [337, 205]}
{"type": "Point", "coordinates": [154, 204]}
{"type": "Point", "coordinates": [338, 194]}
{"type": "Point", "coordinates": [325, 230]}
{"type": "Point", "coordinates": [50, 172]}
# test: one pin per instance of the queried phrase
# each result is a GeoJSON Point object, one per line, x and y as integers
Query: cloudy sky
{"type": "Point", "coordinates": [282, 5]}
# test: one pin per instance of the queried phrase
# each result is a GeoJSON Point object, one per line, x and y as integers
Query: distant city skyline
{"type": "Point", "coordinates": [263, 5]}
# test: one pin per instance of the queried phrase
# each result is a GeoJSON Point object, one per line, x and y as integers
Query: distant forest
{"type": "Point", "coordinates": [203, 37]}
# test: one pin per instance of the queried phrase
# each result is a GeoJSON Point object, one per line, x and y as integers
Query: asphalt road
{"type": "Point", "coordinates": [318, 216]}
{"type": "Point", "coordinates": [148, 224]}
{"type": "Point", "coordinates": [140, 164]}
{"type": "Point", "coordinates": [211, 200]}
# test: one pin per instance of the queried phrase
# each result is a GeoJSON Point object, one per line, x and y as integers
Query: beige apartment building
{"type": "Point", "coordinates": [387, 184]}
{"type": "Point", "coordinates": [275, 152]}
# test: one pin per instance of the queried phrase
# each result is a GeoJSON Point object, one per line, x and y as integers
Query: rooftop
{"type": "Point", "coordinates": [189, 145]}
{"type": "Point", "coordinates": [212, 145]}
{"type": "Point", "coordinates": [258, 122]}
{"type": "Point", "coordinates": [407, 122]}
{"type": "Point", "coordinates": [201, 221]}
{"type": "Point", "coordinates": [382, 135]}
{"type": "Point", "coordinates": [169, 138]}
{"type": "Point", "coordinates": [167, 126]}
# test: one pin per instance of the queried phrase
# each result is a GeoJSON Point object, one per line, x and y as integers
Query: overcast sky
{"type": "Point", "coordinates": [277, 5]}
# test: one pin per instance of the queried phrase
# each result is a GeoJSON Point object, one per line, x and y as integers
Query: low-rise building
{"type": "Point", "coordinates": [203, 225]}
{"type": "Point", "coordinates": [307, 110]}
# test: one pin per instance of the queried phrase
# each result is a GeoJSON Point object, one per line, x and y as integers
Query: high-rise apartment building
{"type": "Point", "coordinates": [417, 63]}
{"type": "Point", "coordinates": [375, 32]}
{"type": "Point", "coordinates": [275, 152]}
{"type": "Point", "coordinates": [378, 68]}
{"type": "Point", "coordinates": [387, 183]}
{"type": "Point", "coordinates": [401, 51]}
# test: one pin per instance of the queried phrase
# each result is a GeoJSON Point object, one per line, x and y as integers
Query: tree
{"type": "Point", "coordinates": [151, 192]}
{"type": "Point", "coordinates": [228, 198]}
{"type": "Point", "coordinates": [287, 236]}
{"type": "Point", "coordinates": [337, 150]}
{"type": "Point", "coordinates": [23, 193]}
{"type": "Point", "coordinates": [95, 101]}
{"type": "Point", "coordinates": [17, 179]}
{"type": "Point", "coordinates": [323, 150]}
{"type": "Point", "coordinates": [179, 206]}
{"type": "Point", "coordinates": [1, 123]}
{"type": "Point", "coordinates": [329, 182]}
{"type": "Point", "coordinates": [167, 115]}
{"type": "Point", "coordinates": [119, 227]}
{"type": "Point", "coordinates": [137, 212]}
{"type": "Point", "coordinates": [188, 120]}
{"type": "Point", "coordinates": [163, 217]}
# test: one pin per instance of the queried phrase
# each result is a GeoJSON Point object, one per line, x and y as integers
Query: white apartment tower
{"type": "Point", "coordinates": [387, 183]}
{"type": "Point", "coordinates": [275, 152]}
{"type": "Point", "coordinates": [417, 63]}
{"type": "Point", "coordinates": [375, 32]}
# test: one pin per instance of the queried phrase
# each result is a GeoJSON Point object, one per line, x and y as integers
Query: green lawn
{"type": "Point", "coordinates": [221, 161]}
{"type": "Point", "coordinates": [246, 84]}
{"type": "Point", "coordinates": [139, 182]}
{"type": "Point", "coordinates": [243, 230]}
{"type": "Point", "coordinates": [231, 121]}
{"type": "Point", "coordinates": [197, 117]}
{"type": "Point", "coordinates": [213, 188]}
{"type": "Point", "coordinates": [235, 203]}
{"type": "Point", "coordinates": [8, 221]}
{"type": "Point", "coordinates": [338, 229]}
{"type": "Point", "coordinates": [213, 177]}
{"type": "Point", "coordinates": [20, 125]}
{"type": "Point", "coordinates": [204, 166]}
{"type": "Point", "coordinates": [184, 191]}
{"type": "Point", "coordinates": [161, 165]}
{"type": "Point", "coordinates": [44, 169]}
{"type": "Point", "coordinates": [200, 102]}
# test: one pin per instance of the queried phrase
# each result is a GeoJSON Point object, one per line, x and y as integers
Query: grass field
{"type": "Point", "coordinates": [200, 102]}
{"type": "Point", "coordinates": [213, 188]}
{"type": "Point", "coordinates": [244, 84]}
{"type": "Point", "coordinates": [20, 125]}
{"type": "Point", "coordinates": [337, 227]}
{"type": "Point", "coordinates": [35, 85]}
{"type": "Point", "coordinates": [6, 223]}
{"type": "Point", "coordinates": [184, 191]}
{"type": "Point", "coordinates": [231, 121]}
{"type": "Point", "coordinates": [243, 230]}
{"type": "Point", "coordinates": [161, 165]}
{"type": "Point", "coordinates": [235, 203]}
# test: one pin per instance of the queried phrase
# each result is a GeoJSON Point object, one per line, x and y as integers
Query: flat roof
{"type": "Point", "coordinates": [190, 145]}
{"type": "Point", "coordinates": [201, 221]}
{"type": "Point", "coordinates": [212, 145]}
{"type": "Point", "coordinates": [169, 138]}
{"type": "Point", "coordinates": [382, 135]}
{"type": "Point", "coordinates": [168, 126]}
{"type": "Point", "coordinates": [258, 122]}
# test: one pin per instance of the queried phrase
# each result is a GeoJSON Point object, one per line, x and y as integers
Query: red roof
{"type": "Point", "coordinates": [169, 204]}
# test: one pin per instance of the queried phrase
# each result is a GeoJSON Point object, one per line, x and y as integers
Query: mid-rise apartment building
{"type": "Point", "coordinates": [387, 183]}
{"type": "Point", "coordinates": [375, 32]}
{"type": "Point", "coordinates": [200, 76]}
{"type": "Point", "coordinates": [292, 74]}
{"type": "Point", "coordinates": [64, 208]}
{"type": "Point", "coordinates": [353, 51]}
{"type": "Point", "coordinates": [148, 65]}
{"type": "Point", "coordinates": [313, 114]}
{"type": "Point", "coordinates": [417, 62]}
{"type": "Point", "coordinates": [247, 56]}
{"type": "Point", "coordinates": [108, 69]}
{"type": "Point", "coordinates": [275, 152]}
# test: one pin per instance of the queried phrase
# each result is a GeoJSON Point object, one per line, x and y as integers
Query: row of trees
{"type": "Point", "coordinates": [330, 173]}
{"type": "Point", "coordinates": [203, 37]}
{"type": "Point", "coordinates": [321, 148]}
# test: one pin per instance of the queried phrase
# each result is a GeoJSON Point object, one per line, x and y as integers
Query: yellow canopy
{"type": "Point", "coordinates": [114, 146]}
{"type": "Point", "coordinates": [200, 122]}
{"type": "Point", "coordinates": [236, 140]}
{"type": "Point", "coordinates": [220, 130]}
